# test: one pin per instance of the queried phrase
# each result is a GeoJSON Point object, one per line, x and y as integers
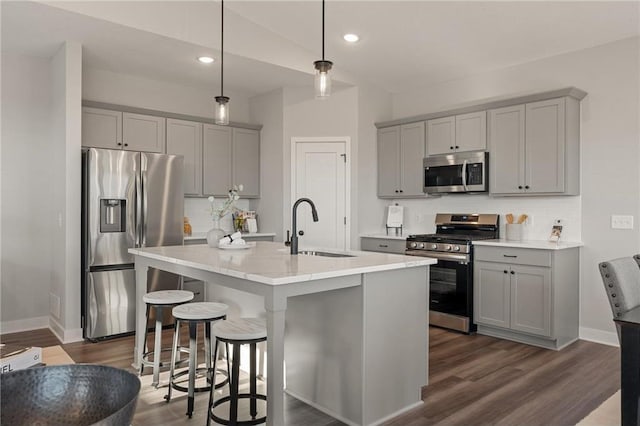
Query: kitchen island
{"type": "Point", "coordinates": [356, 343]}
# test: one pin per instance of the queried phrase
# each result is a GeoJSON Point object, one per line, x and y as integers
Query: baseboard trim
{"type": "Point", "coordinates": [599, 336]}
{"type": "Point", "coordinates": [347, 421]}
{"type": "Point", "coordinates": [321, 408]}
{"type": "Point", "coordinates": [64, 335]}
{"type": "Point", "coordinates": [27, 324]}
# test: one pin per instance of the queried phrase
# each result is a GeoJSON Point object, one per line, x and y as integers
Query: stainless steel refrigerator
{"type": "Point", "coordinates": [129, 199]}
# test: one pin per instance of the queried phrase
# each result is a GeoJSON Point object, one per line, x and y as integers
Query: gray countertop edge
{"type": "Point", "coordinates": [530, 244]}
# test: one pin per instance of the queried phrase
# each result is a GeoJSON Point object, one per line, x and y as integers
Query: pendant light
{"type": "Point", "coordinates": [222, 102]}
{"type": "Point", "coordinates": [322, 78]}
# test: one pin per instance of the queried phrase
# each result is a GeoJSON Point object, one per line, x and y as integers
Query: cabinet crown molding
{"type": "Point", "coordinates": [165, 114]}
{"type": "Point", "coordinates": [490, 103]}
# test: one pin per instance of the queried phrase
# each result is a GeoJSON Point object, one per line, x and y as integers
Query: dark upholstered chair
{"type": "Point", "coordinates": [621, 278]}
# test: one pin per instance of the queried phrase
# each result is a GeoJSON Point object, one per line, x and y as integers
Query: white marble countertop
{"type": "Point", "coordinates": [271, 263]}
{"type": "Point", "coordinates": [203, 235]}
{"type": "Point", "coordinates": [392, 236]}
{"type": "Point", "coordinates": [530, 244]}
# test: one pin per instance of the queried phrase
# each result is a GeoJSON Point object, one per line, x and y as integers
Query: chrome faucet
{"type": "Point", "coordinates": [294, 237]}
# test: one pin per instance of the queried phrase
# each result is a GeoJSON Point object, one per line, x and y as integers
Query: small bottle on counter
{"type": "Point", "coordinates": [187, 226]}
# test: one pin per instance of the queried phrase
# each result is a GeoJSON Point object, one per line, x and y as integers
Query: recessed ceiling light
{"type": "Point", "coordinates": [206, 59]}
{"type": "Point", "coordinates": [351, 38]}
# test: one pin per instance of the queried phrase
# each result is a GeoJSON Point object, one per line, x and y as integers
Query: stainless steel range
{"type": "Point", "coordinates": [451, 279]}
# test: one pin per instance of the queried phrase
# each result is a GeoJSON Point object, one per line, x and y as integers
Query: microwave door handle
{"type": "Point", "coordinates": [464, 175]}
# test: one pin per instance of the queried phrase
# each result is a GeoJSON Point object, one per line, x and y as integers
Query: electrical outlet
{"type": "Point", "coordinates": [621, 222]}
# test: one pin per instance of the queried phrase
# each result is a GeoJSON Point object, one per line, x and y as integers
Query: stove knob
{"type": "Point", "coordinates": [456, 248]}
{"type": "Point", "coordinates": [434, 246]}
{"type": "Point", "coordinates": [413, 245]}
{"type": "Point", "coordinates": [421, 245]}
{"type": "Point", "coordinates": [448, 248]}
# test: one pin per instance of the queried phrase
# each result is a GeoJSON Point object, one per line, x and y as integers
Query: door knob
{"type": "Point", "coordinates": [301, 232]}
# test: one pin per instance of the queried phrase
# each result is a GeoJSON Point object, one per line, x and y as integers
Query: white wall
{"type": "Point", "coordinates": [134, 91]}
{"type": "Point", "coordinates": [27, 218]}
{"type": "Point", "coordinates": [267, 110]}
{"type": "Point", "coordinates": [305, 116]}
{"type": "Point", "coordinates": [610, 157]}
{"type": "Point", "coordinates": [374, 106]}
{"type": "Point", "coordinates": [65, 135]}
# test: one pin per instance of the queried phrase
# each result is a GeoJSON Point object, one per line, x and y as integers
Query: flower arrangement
{"type": "Point", "coordinates": [221, 211]}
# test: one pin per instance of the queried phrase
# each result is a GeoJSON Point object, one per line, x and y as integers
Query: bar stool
{"type": "Point", "coordinates": [237, 332]}
{"type": "Point", "coordinates": [193, 314]}
{"type": "Point", "coordinates": [159, 300]}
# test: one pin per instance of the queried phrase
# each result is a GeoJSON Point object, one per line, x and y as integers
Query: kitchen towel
{"type": "Point", "coordinates": [235, 239]}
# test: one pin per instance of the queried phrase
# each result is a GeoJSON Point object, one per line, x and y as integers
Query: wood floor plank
{"type": "Point", "coordinates": [474, 380]}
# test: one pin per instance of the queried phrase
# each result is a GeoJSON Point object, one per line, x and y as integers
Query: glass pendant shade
{"type": "Point", "coordinates": [322, 79]}
{"type": "Point", "coordinates": [222, 110]}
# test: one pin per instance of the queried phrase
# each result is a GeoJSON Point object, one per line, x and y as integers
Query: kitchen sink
{"type": "Point", "coordinates": [322, 253]}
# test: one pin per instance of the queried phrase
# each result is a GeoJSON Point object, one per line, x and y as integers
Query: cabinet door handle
{"type": "Point", "coordinates": [383, 245]}
{"type": "Point", "coordinates": [506, 272]}
{"type": "Point", "coordinates": [526, 187]}
{"type": "Point", "coordinates": [510, 255]}
{"type": "Point", "coordinates": [450, 147]}
{"type": "Point", "coordinates": [519, 186]}
{"type": "Point", "coordinates": [396, 191]}
{"type": "Point", "coordinates": [401, 190]}
{"type": "Point", "coordinates": [119, 144]}
{"type": "Point", "coordinates": [513, 273]}
{"type": "Point", "coordinates": [457, 147]}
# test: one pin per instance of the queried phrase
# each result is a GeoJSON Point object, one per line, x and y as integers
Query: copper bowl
{"type": "Point", "coordinates": [76, 394]}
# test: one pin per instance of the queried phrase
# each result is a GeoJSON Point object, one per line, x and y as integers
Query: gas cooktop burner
{"type": "Point", "coordinates": [447, 238]}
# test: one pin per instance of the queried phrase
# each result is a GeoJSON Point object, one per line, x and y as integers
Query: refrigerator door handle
{"type": "Point", "coordinates": [138, 227]}
{"type": "Point", "coordinates": [143, 227]}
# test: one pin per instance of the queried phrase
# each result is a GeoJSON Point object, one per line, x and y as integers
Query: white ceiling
{"type": "Point", "coordinates": [404, 44]}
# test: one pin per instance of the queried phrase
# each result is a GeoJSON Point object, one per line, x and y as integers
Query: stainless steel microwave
{"type": "Point", "coordinates": [458, 172]}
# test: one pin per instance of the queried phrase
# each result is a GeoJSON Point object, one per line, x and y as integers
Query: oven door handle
{"type": "Point", "coordinates": [462, 258]}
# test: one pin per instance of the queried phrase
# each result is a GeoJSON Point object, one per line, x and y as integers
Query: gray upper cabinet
{"type": "Point", "coordinates": [400, 153]}
{"type": "Point", "coordinates": [535, 148]}
{"type": "Point", "coordinates": [460, 133]}
{"type": "Point", "coordinates": [388, 161]}
{"type": "Point", "coordinates": [103, 128]}
{"type": "Point", "coordinates": [185, 138]}
{"type": "Point", "coordinates": [216, 155]}
{"type": "Point", "coordinates": [441, 135]}
{"type": "Point", "coordinates": [231, 156]}
{"type": "Point", "coordinates": [143, 132]}
{"type": "Point", "coordinates": [246, 161]}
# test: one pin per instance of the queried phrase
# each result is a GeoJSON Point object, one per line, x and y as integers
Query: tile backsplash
{"type": "Point", "coordinates": [197, 210]}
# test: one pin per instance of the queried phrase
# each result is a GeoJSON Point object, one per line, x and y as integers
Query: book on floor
{"type": "Point", "coordinates": [17, 357]}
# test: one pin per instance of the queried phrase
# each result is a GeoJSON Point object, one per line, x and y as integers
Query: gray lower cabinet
{"type": "Point", "coordinates": [527, 295]}
{"type": "Point", "coordinates": [381, 244]}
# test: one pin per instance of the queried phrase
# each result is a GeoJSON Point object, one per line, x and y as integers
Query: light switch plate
{"type": "Point", "coordinates": [621, 221]}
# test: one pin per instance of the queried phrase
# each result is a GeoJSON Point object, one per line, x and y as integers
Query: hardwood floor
{"type": "Point", "coordinates": [473, 380]}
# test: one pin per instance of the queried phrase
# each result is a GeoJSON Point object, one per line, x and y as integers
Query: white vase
{"type": "Point", "coordinates": [215, 234]}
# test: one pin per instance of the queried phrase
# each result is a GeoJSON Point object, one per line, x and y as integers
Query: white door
{"type": "Point", "coordinates": [319, 172]}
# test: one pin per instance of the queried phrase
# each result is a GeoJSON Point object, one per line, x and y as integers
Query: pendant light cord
{"type": "Point", "coordinates": [222, 48]}
{"type": "Point", "coordinates": [323, 30]}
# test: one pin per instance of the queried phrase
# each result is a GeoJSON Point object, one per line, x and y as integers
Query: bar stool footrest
{"type": "Point", "coordinates": [200, 370]}
{"type": "Point", "coordinates": [227, 398]}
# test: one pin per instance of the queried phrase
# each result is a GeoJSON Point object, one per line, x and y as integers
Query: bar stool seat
{"type": "Point", "coordinates": [195, 313]}
{"type": "Point", "coordinates": [158, 300]}
{"type": "Point", "coordinates": [237, 332]}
